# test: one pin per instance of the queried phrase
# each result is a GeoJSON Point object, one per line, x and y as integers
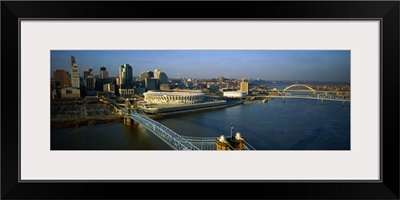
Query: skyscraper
{"type": "Point", "coordinates": [74, 90]}
{"type": "Point", "coordinates": [146, 74]}
{"type": "Point", "coordinates": [87, 72]}
{"type": "Point", "coordinates": [74, 74]}
{"type": "Point", "coordinates": [103, 73]}
{"type": "Point", "coordinates": [90, 83]}
{"type": "Point", "coordinates": [126, 79]}
{"type": "Point", "coordinates": [125, 74]}
{"type": "Point", "coordinates": [162, 79]}
{"type": "Point", "coordinates": [162, 76]}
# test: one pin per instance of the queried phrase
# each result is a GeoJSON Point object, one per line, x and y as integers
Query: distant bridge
{"type": "Point", "coordinates": [316, 97]}
{"type": "Point", "coordinates": [299, 85]}
{"type": "Point", "coordinates": [309, 93]}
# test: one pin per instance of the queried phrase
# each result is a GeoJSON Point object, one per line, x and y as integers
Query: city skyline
{"type": "Point", "coordinates": [305, 65]}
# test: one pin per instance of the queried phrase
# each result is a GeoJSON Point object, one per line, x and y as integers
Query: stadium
{"type": "Point", "coordinates": [173, 97]}
{"type": "Point", "coordinates": [163, 103]}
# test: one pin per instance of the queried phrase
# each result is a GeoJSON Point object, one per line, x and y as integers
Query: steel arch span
{"type": "Point", "coordinates": [302, 85]}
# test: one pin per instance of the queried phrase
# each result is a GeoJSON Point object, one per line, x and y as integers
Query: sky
{"type": "Point", "coordinates": [304, 65]}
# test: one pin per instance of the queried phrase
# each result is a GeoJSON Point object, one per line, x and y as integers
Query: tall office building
{"type": "Point", "coordinates": [163, 78]}
{"type": "Point", "coordinates": [62, 77]}
{"type": "Point", "coordinates": [125, 75]}
{"type": "Point", "coordinates": [117, 81]}
{"type": "Point", "coordinates": [74, 74]}
{"type": "Point", "coordinates": [146, 74]}
{"type": "Point", "coordinates": [151, 84]}
{"type": "Point", "coordinates": [126, 79]}
{"type": "Point", "coordinates": [90, 83]}
{"type": "Point", "coordinates": [244, 87]}
{"type": "Point", "coordinates": [103, 73]}
{"type": "Point", "coordinates": [74, 90]}
{"type": "Point", "coordinates": [87, 72]}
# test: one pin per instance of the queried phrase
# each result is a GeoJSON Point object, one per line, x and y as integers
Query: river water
{"type": "Point", "coordinates": [297, 124]}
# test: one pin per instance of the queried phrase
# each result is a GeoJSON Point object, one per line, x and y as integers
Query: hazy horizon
{"type": "Point", "coordinates": [274, 65]}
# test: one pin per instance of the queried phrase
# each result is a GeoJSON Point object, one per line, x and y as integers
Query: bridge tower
{"type": "Point", "coordinates": [222, 143]}
{"type": "Point", "coordinates": [127, 119]}
{"type": "Point", "coordinates": [238, 142]}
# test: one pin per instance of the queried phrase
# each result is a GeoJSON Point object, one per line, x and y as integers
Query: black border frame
{"type": "Point", "coordinates": [386, 11]}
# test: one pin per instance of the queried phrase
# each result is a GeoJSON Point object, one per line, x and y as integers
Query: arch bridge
{"type": "Point", "coordinates": [299, 85]}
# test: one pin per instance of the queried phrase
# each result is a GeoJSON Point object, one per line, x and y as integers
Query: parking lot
{"type": "Point", "coordinates": [80, 110]}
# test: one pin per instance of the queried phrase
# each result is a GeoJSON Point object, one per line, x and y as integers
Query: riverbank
{"type": "Point", "coordinates": [67, 113]}
{"type": "Point", "coordinates": [74, 123]}
{"type": "Point", "coordinates": [175, 113]}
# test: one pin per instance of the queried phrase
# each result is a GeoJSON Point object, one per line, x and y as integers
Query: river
{"type": "Point", "coordinates": [297, 124]}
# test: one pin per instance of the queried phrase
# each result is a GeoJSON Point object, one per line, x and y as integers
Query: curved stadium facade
{"type": "Point", "coordinates": [176, 102]}
{"type": "Point", "coordinates": [173, 97]}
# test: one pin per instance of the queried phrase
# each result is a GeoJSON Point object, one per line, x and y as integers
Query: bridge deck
{"type": "Point", "coordinates": [174, 140]}
{"type": "Point", "coordinates": [171, 138]}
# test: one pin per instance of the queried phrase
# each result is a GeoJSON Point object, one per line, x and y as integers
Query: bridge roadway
{"type": "Point", "coordinates": [317, 97]}
{"type": "Point", "coordinates": [171, 138]}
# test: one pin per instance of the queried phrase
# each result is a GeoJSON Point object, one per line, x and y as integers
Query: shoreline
{"type": "Point", "coordinates": [75, 123]}
{"type": "Point", "coordinates": [161, 115]}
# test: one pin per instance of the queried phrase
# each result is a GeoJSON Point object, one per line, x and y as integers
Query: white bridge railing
{"type": "Point", "coordinates": [167, 135]}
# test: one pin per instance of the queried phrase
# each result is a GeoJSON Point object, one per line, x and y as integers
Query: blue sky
{"type": "Point", "coordinates": [309, 65]}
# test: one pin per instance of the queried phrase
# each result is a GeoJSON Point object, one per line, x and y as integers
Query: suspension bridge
{"type": "Point", "coordinates": [175, 140]}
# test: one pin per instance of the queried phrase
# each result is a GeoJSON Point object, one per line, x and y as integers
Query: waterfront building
{"type": "Point", "coordinates": [234, 94]}
{"type": "Point", "coordinates": [244, 87]}
{"type": "Point", "coordinates": [103, 73]}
